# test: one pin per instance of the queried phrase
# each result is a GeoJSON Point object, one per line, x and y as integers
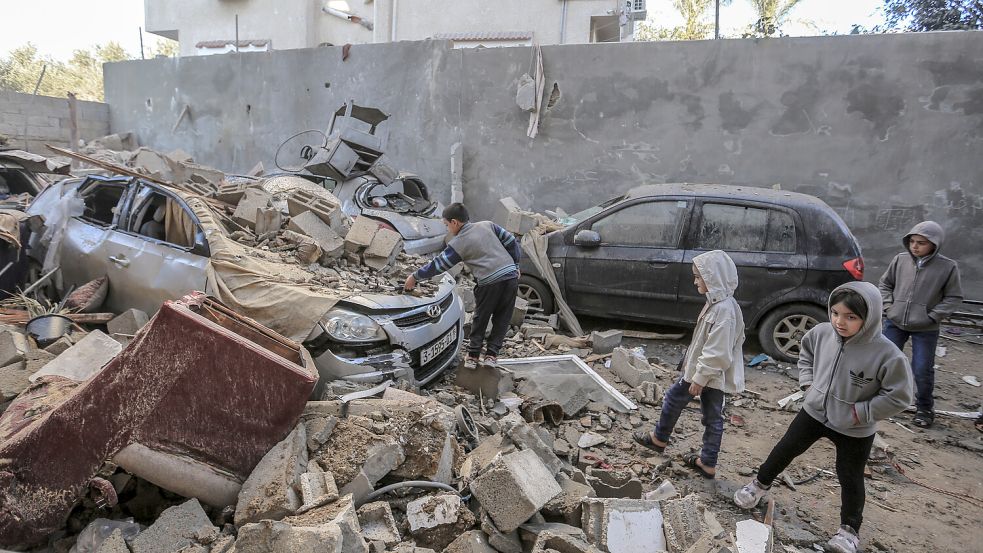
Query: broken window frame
{"type": "Point", "coordinates": [90, 186]}
{"type": "Point", "coordinates": [200, 247]}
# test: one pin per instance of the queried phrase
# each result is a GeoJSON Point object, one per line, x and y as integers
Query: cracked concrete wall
{"type": "Point", "coordinates": [887, 129]}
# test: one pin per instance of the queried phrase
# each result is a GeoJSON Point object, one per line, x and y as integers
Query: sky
{"type": "Point", "coordinates": [58, 27]}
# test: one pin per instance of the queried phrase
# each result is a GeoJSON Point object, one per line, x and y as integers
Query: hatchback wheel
{"type": "Point", "coordinates": [782, 330]}
{"type": "Point", "coordinates": [537, 294]}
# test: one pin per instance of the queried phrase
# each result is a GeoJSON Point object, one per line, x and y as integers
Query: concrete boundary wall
{"type": "Point", "coordinates": [887, 129]}
{"type": "Point", "coordinates": [29, 122]}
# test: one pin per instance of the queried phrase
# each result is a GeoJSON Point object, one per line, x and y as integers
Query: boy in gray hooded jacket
{"type": "Point", "coordinates": [920, 288]}
{"type": "Point", "coordinates": [714, 363]}
{"type": "Point", "coordinates": [853, 377]}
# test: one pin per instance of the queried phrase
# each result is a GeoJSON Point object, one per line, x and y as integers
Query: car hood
{"type": "Point", "coordinates": [398, 300]}
{"type": "Point", "coordinates": [410, 227]}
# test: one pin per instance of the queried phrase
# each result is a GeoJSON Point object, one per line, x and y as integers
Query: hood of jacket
{"type": "Point", "coordinates": [930, 230]}
{"type": "Point", "coordinates": [719, 273]}
{"type": "Point", "coordinates": [871, 328]}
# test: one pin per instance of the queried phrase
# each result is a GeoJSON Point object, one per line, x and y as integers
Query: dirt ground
{"type": "Point", "coordinates": [900, 516]}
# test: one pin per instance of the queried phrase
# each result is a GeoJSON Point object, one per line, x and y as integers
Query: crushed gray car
{"type": "Point", "coordinates": [155, 243]}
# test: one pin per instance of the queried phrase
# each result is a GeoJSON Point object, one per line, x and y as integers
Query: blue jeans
{"type": "Point", "coordinates": [922, 360]}
{"type": "Point", "coordinates": [712, 404]}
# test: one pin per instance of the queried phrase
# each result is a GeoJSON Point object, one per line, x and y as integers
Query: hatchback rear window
{"type": "Point", "coordinates": [746, 229]}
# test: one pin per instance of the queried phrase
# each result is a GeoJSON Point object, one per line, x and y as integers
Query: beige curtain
{"type": "Point", "coordinates": [178, 227]}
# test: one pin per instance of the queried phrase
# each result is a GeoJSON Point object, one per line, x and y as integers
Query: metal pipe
{"type": "Point", "coordinates": [563, 23]}
{"type": "Point", "coordinates": [375, 20]}
{"type": "Point", "coordinates": [393, 29]}
{"type": "Point", "coordinates": [716, 21]}
{"type": "Point", "coordinates": [407, 484]}
{"type": "Point", "coordinates": [40, 281]}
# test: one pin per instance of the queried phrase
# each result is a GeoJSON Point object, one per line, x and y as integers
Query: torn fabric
{"type": "Point", "coordinates": [534, 245]}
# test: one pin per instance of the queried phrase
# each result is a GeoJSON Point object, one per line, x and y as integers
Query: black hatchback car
{"type": "Point", "coordinates": [629, 258]}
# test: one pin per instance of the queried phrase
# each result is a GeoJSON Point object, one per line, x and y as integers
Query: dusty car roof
{"type": "Point", "coordinates": [769, 195]}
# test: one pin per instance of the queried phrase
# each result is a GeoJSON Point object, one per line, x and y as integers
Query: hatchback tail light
{"type": "Point", "coordinates": [855, 267]}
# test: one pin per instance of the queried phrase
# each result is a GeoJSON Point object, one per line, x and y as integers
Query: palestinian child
{"type": "Point", "coordinates": [920, 288]}
{"type": "Point", "coordinates": [853, 377]}
{"type": "Point", "coordinates": [713, 366]}
{"type": "Point", "coordinates": [492, 255]}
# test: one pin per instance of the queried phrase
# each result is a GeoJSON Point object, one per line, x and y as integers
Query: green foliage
{"type": "Point", "coordinates": [698, 23]}
{"type": "Point", "coordinates": [771, 15]}
{"type": "Point", "coordinates": [82, 74]}
{"type": "Point", "coordinates": [933, 15]}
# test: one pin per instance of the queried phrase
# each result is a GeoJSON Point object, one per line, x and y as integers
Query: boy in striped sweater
{"type": "Point", "coordinates": [492, 254]}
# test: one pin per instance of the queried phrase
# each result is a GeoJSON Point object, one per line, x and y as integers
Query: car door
{"type": "Point", "coordinates": [762, 239]}
{"type": "Point", "coordinates": [86, 242]}
{"type": "Point", "coordinates": [634, 270]}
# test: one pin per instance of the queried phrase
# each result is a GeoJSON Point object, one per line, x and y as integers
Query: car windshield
{"type": "Point", "coordinates": [590, 211]}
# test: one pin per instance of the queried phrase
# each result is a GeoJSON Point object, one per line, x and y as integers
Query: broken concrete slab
{"type": "Point", "coordinates": [380, 460]}
{"type": "Point", "coordinates": [466, 293]}
{"type": "Point", "coordinates": [533, 330]}
{"type": "Point", "coordinates": [436, 520]}
{"type": "Point", "coordinates": [605, 342]}
{"type": "Point", "coordinates": [563, 543]}
{"type": "Point", "coordinates": [529, 533]}
{"type": "Point", "coordinates": [500, 541]}
{"type": "Point", "coordinates": [490, 382]}
{"type": "Point", "coordinates": [177, 527]}
{"type": "Point", "coordinates": [684, 523]}
{"type": "Point", "coordinates": [361, 234]}
{"type": "Point", "coordinates": [308, 224]}
{"type": "Point", "coordinates": [252, 201]}
{"type": "Point", "coordinates": [84, 359]}
{"type": "Point", "coordinates": [519, 312]}
{"type": "Point", "coordinates": [317, 488]}
{"type": "Point", "coordinates": [472, 541]}
{"type": "Point", "coordinates": [526, 437]}
{"type": "Point", "coordinates": [566, 380]}
{"type": "Point", "coordinates": [59, 346]}
{"type": "Point", "coordinates": [13, 346]}
{"type": "Point", "coordinates": [378, 523]}
{"type": "Point", "coordinates": [624, 525]}
{"type": "Point", "coordinates": [568, 505]}
{"type": "Point", "coordinates": [14, 379]}
{"type": "Point", "coordinates": [128, 322]}
{"type": "Point", "coordinates": [754, 537]}
{"type": "Point", "coordinates": [382, 251]}
{"type": "Point", "coordinates": [268, 535]}
{"type": "Point", "coordinates": [268, 219]}
{"type": "Point", "coordinates": [319, 429]}
{"type": "Point", "coordinates": [114, 543]}
{"type": "Point", "coordinates": [270, 491]}
{"type": "Point", "coordinates": [514, 488]}
{"type": "Point", "coordinates": [590, 439]}
{"type": "Point", "coordinates": [611, 483]}
{"type": "Point", "coordinates": [632, 368]}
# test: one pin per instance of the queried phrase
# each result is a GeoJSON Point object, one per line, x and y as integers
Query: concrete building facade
{"type": "Point", "coordinates": [209, 26]}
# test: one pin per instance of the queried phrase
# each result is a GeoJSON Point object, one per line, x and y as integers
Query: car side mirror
{"type": "Point", "coordinates": [587, 238]}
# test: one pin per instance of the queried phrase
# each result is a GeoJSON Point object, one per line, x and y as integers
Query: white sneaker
{"type": "Point", "coordinates": [845, 541]}
{"type": "Point", "coordinates": [749, 496]}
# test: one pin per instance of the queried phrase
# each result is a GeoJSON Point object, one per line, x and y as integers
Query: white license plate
{"type": "Point", "coordinates": [435, 349]}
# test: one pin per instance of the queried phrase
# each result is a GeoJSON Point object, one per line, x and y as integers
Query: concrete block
{"type": "Point", "coordinates": [466, 293]}
{"type": "Point", "coordinates": [128, 322]}
{"type": "Point", "coordinates": [328, 208]}
{"type": "Point", "coordinates": [624, 525]}
{"type": "Point", "coordinates": [631, 368]}
{"type": "Point", "coordinates": [361, 234]}
{"type": "Point", "coordinates": [521, 222]}
{"type": "Point", "coordinates": [380, 460]}
{"type": "Point", "coordinates": [382, 251]}
{"type": "Point", "coordinates": [529, 533]}
{"type": "Point", "coordinates": [308, 224]}
{"type": "Point", "coordinates": [605, 342]}
{"type": "Point", "coordinates": [500, 541]}
{"type": "Point", "coordinates": [14, 379]}
{"type": "Point", "coordinates": [533, 330]}
{"type": "Point", "coordinates": [37, 359]}
{"type": "Point", "coordinates": [568, 505]}
{"type": "Point", "coordinates": [378, 523]}
{"type": "Point", "coordinates": [317, 488]}
{"type": "Point", "coordinates": [515, 488]}
{"type": "Point", "coordinates": [231, 193]}
{"type": "Point", "coordinates": [505, 207]}
{"type": "Point", "coordinates": [319, 429]}
{"type": "Point", "coordinates": [571, 392]}
{"type": "Point", "coordinates": [177, 527]}
{"type": "Point", "coordinates": [268, 219]}
{"type": "Point", "coordinates": [519, 312]}
{"type": "Point", "coordinates": [472, 541]}
{"type": "Point", "coordinates": [13, 345]}
{"type": "Point", "coordinates": [526, 437]}
{"type": "Point", "coordinates": [491, 382]}
{"type": "Point", "coordinates": [114, 543]}
{"type": "Point", "coordinates": [684, 523]}
{"type": "Point", "coordinates": [563, 543]}
{"type": "Point", "coordinates": [274, 536]}
{"type": "Point", "coordinates": [649, 393]}
{"type": "Point", "coordinates": [436, 520]}
{"type": "Point", "coordinates": [753, 537]}
{"type": "Point", "coordinates": [253, 200]}
{"type": "Point", "coordinates": [614, 484]}
{"type": "Point", "coordinates": [83, 360]}
{"type": "Point", "coordinates": [269, 492]}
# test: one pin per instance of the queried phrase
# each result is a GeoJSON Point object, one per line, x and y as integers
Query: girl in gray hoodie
{"type": "Point", "coordinates": [853, 377]}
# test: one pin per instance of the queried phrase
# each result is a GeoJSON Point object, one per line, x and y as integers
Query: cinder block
{"type": "Point", "coordinates": [317, 487]}
{"type": "Point", "coordinates": [269, 492]}
{"type": "Point", "coordinates": [565, 543]}
{"type": "Point", "coordinates": [514, 489]}
{"type": "Point", "coordinates": [521, 222]}
{"type": "Point", "coordinates": [568, 505]}
{"type": "Point", "coordinates": [177, 527]}
{"type": "Point", "coordinates": [13, 345]}
{"type": "Point", "coordinates": [382, 251]}
{"type": "Point", "coordinates": [684, 523]}
{"type": "Point", "coordinates": [128, 322]}
{"type": "Point", "coordinates": [490, 382]}
{"type": "Point", "coordinates": [472, 541]}
{"type": "Point", "coordinates": [532, 330]}
{"type": "Point", "coordinates": [231, 193]}
{"type": "Point", "coordinates": [605, 342]}
{"type": "Point", "coordinates": [328, 209]}
{"type": "Point", "coordinates": [519, 312]}
{"type": "Point", "coordinates": [378, 523]}
{"type": "Point", "coordinates": [361, 234]}
{"type": "Point", "coordinates": [437, 520]}
{"type": "Point", "coordinates": [614, 483]}
{"type": "Point", "coordinates": [631, 368]}
{"type": "Point", "coordinates": [252, 201]}
{"type": "Point", "coordinates": [309, 224]}
{"type": "Point", "coordinates": [623, 525]}
{"type": "Point", "coordinates": [269, 535]}
{"type": "Point", "coordinates": [268, 219]}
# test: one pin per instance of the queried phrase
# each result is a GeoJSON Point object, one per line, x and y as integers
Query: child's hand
{"type": "Point", "coordinates": [695, 389]}
{"type": "Point", "coordinates": [410, 283]}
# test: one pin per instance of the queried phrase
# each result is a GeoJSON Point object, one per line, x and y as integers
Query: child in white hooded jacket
{"type": "Point", "coordinates": [714, 363]}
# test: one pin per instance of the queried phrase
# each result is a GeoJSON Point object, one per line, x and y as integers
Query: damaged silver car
{"type": "Point", "coordinates": [346, 161]}
{"type": "Point", "coordinates": [155, 243]}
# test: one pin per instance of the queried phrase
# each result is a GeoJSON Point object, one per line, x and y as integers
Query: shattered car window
{"type": "Point", "coordinates": [101, 203]}
{"type": "Point", "coordinates": [654, 224]}
{"type": "Point", "coordinates": [746, 229]}
{"type": "Point", "coordinates": [590, 211]}
{"type": "Point", "coordinates": [162, 218]}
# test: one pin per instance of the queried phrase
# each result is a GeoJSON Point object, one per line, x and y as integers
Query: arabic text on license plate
{"type": "Point", "coordinates": [436, 349]}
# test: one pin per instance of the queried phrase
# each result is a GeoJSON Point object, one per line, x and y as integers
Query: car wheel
{"type": "Point", "coordinates": [537, 294]}
{"type": "Point", "coordinates": [782, 330]}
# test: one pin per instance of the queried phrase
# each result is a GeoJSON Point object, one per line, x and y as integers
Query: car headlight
{"type": "Point", "coordinates": [347, 326]}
